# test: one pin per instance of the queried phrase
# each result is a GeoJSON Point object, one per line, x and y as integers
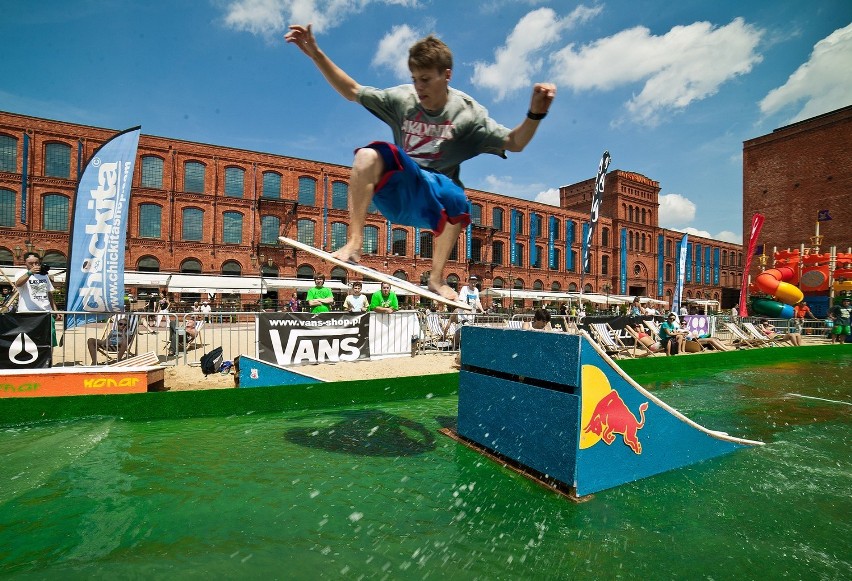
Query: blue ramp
{"type": "Point", "coordinates": [257, 373]}
{"type": "Point", "coordinates": [554, 404]}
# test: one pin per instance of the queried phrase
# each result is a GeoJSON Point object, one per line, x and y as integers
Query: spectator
{"type": "Point", "coordinates": [320, 298]}
{"type": "Point", "coordinates": [671, 337]}
{"type": "Point", "coordinates": [293, 303]}
{"type": "Point", "coordinates": [116, 340]}
{"type": "Point", "coordinates": [540, 322]}
{"type": "Point", "coordinates": [163, 310]}
{"type": "Point", "coordinates": [842, 315]}
{"type": "Point", "coordinates": [769, 330]}
{"type": "Point", "coordinates": [205, 311]}
{"type": "Point", "coordinates": [384, 300]}
{"type": "Point", "coordinates": [181, 339]}
{"type": "Point", "coordinates": [355, 302]}
{"type": "Point", "coordinates": [35, 291]}
{"type": "Point", "coordinates": [800, 313]}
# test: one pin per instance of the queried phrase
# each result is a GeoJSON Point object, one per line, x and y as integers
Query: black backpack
{"type": "Point", "coordinates": [210, 362]}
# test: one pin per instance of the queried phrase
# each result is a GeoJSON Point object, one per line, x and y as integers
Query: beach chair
{"type": "Point", "coordinates": [178, 336]}
{"type": "Point", "coordinates": [607, 338]}
{"type": "Point", "coordinates": [741, 339]}
{"type": "Point", "coordinates": [112, 324]}
{"type": "Point", "coordinates": [515, 324]}
{"type": "Point", "coordinates": [434, 336]}
{"type": "Point", "coordinates": [640, 348]}
{"type": "Point", "coordinates": [755, 333]}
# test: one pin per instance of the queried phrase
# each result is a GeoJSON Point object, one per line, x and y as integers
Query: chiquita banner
{"type": "Point", "coordinates": [99, 229]}
{"type": "Point", "coordinates": [300, 338]}
{"type": "Point", "coordinates": [25, 341]}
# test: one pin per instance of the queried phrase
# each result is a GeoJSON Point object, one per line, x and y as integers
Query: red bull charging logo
{"type": "Point", "coordinates": [605, 414]}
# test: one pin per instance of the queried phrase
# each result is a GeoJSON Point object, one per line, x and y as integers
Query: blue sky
{"type": "Point", "coordinates": [671, 89]}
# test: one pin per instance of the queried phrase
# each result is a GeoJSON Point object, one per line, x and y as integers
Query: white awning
{"type": "Point", "coordinates": [211, 285]}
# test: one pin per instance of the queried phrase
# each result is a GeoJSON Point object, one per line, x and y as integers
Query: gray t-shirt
{"type": "Point", "coordinates": [440, 142]}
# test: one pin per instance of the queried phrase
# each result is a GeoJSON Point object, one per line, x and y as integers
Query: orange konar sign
{"type": "Point", "coordinates": [92, 382]}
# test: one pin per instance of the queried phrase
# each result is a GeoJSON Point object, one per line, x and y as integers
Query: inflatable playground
{"type": "Point", "coordinates": [797, 275]}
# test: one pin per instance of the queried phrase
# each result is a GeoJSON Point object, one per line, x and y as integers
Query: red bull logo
{"type": "Point", "coordinates": [605, 414]}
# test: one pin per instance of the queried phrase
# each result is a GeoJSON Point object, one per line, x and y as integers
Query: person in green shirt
{"type": "Point", "coordinates": [384, 301]}
{"type": "Point", "coordinates": [319, 296]}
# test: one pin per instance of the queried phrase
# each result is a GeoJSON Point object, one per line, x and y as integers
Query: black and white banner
{"type": "Point", "coordinates": [300, 338]}
{"type": "Point", "coordinates": [25, 341]}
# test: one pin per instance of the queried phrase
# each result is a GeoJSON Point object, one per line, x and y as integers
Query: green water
{"type": "Point", "coordinates": [375, 492]}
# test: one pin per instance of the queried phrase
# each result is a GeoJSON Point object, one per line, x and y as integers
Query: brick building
{"type": "Point", "coordinates": [796, 172]}
{"type": "Point", "coordinates": [199, 208]}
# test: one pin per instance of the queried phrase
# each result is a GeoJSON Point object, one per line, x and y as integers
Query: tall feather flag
{"type": "Point", "coordinates": [597, 198]}
{"type": "Point", "coordinates": [681, 273]}
{"type": "Point", "coordinates": [756, 225]}
{"type": "Point", "coordinates": [99, 229]}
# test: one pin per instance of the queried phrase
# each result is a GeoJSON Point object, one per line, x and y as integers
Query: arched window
{"type": "Point", "coordinates": [605, 237]}
{"type": "Point", "coordinates": [150, 221]}
{"type": "Point", "coordinates": [497, 219]}
{"type": "Point", "coordinates": [8, 154]}
{"type": "Point", "coordinates": [539, 256]}
{"type": "Point", "coordinates": [232, 228]}
{"type": "Point", "coordinates": [339, 274]}
{"type": "Point", "coordinates": [604, 264]}
{"type": "Point", "coordinates": [587, 288]}
{"type": "Point", "coordinates": [538, 285]}
{"type": "Point", "coordinates": [557, 259]}
{"type": "Point", "coordinates": [148, 264]}
{"type": "Point", "coordinates": [498, 283]}
{"type": "Point", "coordinates": [519, 223]}
{"type": "Point", "coordinates": [518, 284]}
{"type": "Point", "coordinates": [152, 172]}
{"type": "Point", "coordinates": [193, 177]}
{"type": "Point", "coordinates": [271, 185]}
{"type": "Point", "coordinates": [630, 209]}
{"type": "Point", "coordinates": [572, 287]}
{"type": "Point", "coordinates": [644, 239]}
{"type": "Point", "coordinates": [476, 214]}
{"type": "Point", "coordinates": [269, 271]}
{"type": "Point", "coordinates": [668, 273]}
{"type": "Point", "coordinates": [305, 272]}
{"type": "Point", "coordinates": [235, 178]}
{"type": "Point", "coordinates": [190, 266]}
{"type": "Point", "coordinates": [232, 268]}
{"type": "Point", "coordinates": [8, 205]}
{"type": "Point", "coordinates": [6, 257]}
{"type": "Point", "coordinates": [555, 287]}
{"type": "Point", "coordinates": [307, 191]}
{"type": "Point", "coordinates": [305, 231]}
{"type": "Point", "coordinates": [270, 226]}
{"type": "Point", "coordinates": [55, 213]}
{"type": "Point", "coordinates": [399, 245]}
{"type": "Point", "coordinates": [476, 249]}
{"type": "Point", "coordinates": [497, 252]}
{"type": "Point", "coordinates": [644, 215]}
{"type": "Point", "coordinates": [400, 274]}
{"type": "Point", "coordinates": [426, 244]}
{"type": "Point", "coordinates": [371, 240]}
{"type": "Point", "coordinates": [192, 224]}
{"type": "Point", "coordinates": [668, 248]}
{"type": "Point", "coordinates": [54, 259]}
{"type": "Point", "coordinates": [57, 160]}
{"type": "Point", "coordinates": [519, 254]}
{"type": "Point", "coordinates": [339, 196]}
{"type": "Point", "coordinates": [339, 232]}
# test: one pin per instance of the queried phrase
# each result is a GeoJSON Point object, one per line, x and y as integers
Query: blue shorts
{"type": "Point", "coordinates": [412, 196]}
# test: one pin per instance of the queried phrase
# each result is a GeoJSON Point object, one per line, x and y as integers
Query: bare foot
{"type": "Point", "coordinates": [349, 252]}
{"type": "Point", "coordinates": [443, 290]}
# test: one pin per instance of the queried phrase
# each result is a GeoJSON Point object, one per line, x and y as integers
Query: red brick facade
{"type": "Point", "coordinates": [630, 203]}
{"type": "Point", "coordinates": [792, 174]}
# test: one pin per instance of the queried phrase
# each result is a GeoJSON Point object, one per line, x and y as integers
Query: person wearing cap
{"type": "Point", "coordinates": [842, 314]}
{"type": "Point", "coordinates": [470, 294]}
{"type": "Point", "coordinates": [671, 336]}
{"type": "Point", "coordinates": [355, 302]}
{"type": "Point", "coordinates": [320, 298]}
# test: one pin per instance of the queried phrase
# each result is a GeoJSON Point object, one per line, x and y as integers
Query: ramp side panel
{"type": "Point", "coordinates": [257, 373]}
{"type": "Point", "coordinates": [637, 450]}
{"type": "Point", "coordinates": [534, 426]}
{"type": "Point", "coordinates": [550, 357]}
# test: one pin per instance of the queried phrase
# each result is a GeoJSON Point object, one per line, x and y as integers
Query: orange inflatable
{"type": "Point", "coordinates": [772, 282]}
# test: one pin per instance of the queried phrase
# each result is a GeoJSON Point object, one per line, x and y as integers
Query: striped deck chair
{"type": "Point", "coordinates": [608, 339]}
{"type": "Point", "coordinates": [640, 348]}
{"type": "Point", "coordinates": [434, 336]}
{"type": "Point", "coordinates": [111, 353]}
{"type": "Point", "coordinates": [777, 339]}
{"type": "Point", "coordinates": [741, 339]}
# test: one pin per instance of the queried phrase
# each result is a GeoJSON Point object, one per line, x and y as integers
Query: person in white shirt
{"type": "Point", "coordinates": [355, 302]}
{"type": "Point", "coordinates": [35, 291]}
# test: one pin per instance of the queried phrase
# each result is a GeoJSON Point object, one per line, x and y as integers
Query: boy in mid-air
{"type": "Point", "coordinates": [415, 180]}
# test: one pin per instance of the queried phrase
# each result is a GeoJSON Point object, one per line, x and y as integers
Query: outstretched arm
{"type": "Point", "coordinates": [303, 37]}
{"type": "Point", "coordinates": [520, 136]}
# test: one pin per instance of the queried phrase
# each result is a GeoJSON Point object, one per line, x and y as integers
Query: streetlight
{"type": "Point", "coordinates": [606, 289]}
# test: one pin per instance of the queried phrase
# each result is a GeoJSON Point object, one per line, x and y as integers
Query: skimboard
{"type": "Point", "coordinates": [374, 274]}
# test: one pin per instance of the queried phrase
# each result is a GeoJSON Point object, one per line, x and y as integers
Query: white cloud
{"type": "Point", "coordinates": [506, 186]}
{"type": "Point", "coordinates": [686, 64]}
{"type": "Point", "coordinates": [549, 196]}
{"type": "Point", "coordinates": [519, 59]}
{"type": "Point", "coordinates": [271, 17]}
{"type": "Point", "coordinates": [393, 50]}
{"type": "Point", "coordinates": [728, 236]}
{"type": "Point", "coordinates": [675, 210]}
{"type": "Point", "coordinates": [824, 83]}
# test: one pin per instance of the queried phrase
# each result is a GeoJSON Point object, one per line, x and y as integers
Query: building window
{"type": "Point", "coordinates": [668, 248]}
{"type": "Point", "coordinates": [271, 185]}
{"type": "Point", "coordinates": [150, 221]}
{"type": "Point", "coordinates": [555, 287]}
{"type": "Point", "coordinates": [305, 231]}
{"type": "Point", "coordinates": [339, 196]}
{"type": "Point", "coordinates": [270, 226]}
{"type": "Point", "coordinates": [476, 214]}
{"type": "Point", "coordinates": [426, 239]}
{"type": "Point", "coordinates": [232, 228]}
{"type": "Point", "coordinates": [55, 259]}
{"type": "Point", "coordinates": [148, 264]}
{"type": "Point", "coordinates": [476, 250]}
{"type": "Point", "coordinates": [539, 253]}
{"type": "Point", "coordinates": [535, 226]}
{"type": "Point", "coordinates": [6, 258]}
{"type": "Point", "coordinates": [339, 232]}
{"type": "Point", "coordinates": [519, 223]}
{"type": "Point", "coordinates": [668, 273]}
{"type": "Point", "coordinates": [190, 266]}
{"type": "Point", "coordinates": [604, 265]}
{"type": "Point", "coordinates": [371, 240]}
{"type": "Point", "coordinates": [193, 177]}
{"type": "Point", "coordinates": [605, 237]}
{"type": "Point", "coordinates": [232, 268]}
{"type": "Point", "coordinates": [556, 259]}
{"type": "Point", "coordinates": [55, 213]}
{"type": "Point", "coordinates": [497, 219]}
{"type": "Point", "coordinates": [193, 224]}
{"type": "Point", "coordinates": [8, 154]}
{"type": "Point", "coordinates": [57, 160]}
{"type": "Point", "coordinates": [307, 191]}
{"type": "Point", "coordinates": [235, 178]}
{"type": "Point", "coordinates": [519, 254]}
{"type": "Point", "coordinates": [400, 242]}
{"type": "Point", "coordinates": [7, 208]}
{"type": "Point", "coordinates": [454, 253]}
{"type": "Point", "coordinates": [556, 229]}
{"type": "Point", "coordinates": [496, 253]}
{"type": "Point", "coordinates": [152, 172]}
